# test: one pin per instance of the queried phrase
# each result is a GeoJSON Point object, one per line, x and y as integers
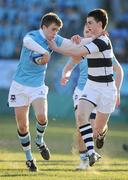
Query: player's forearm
{"type": "Point", "coordinates": [72, 51]}
{"type": "Point", "coordinates": [29, 43]}
{"type": "Point", "coordinates": [67, 70]}
{"type": "Point", "coordinates": [119, 78]}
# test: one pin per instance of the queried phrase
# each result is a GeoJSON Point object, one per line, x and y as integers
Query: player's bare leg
{"type": "Point", "coordinates": [84, 110]}
{"type": "Point", "coordinates": [40, 108]}
{"type": "Point", "coordinates": [84, 161]}
{"type": "Point", "coordinates": [101, 128]}
{"type": "Point", "coordinates": [21, 114]}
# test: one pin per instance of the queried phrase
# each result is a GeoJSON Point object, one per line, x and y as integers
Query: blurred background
{"type": "Point", "coordinates": [18, 17]}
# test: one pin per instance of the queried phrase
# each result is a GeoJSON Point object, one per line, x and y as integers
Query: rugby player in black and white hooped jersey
{"type": "Point", "coordinates": [100, 91]}
{"type": "Point", "coordinates": [82, 66]}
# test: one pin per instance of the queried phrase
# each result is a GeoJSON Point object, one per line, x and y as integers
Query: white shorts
{"type": "Point", "coordinates": [76, 96]}
{"type": "Point", "coordinates": [104, 97]}
{"type": "Point", "coordinates": [20, 95]}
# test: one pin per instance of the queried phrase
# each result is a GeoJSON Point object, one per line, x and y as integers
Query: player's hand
{"type": "Point", "coordinates": [76, 39]}
{"type": "Point", "coordinates": [105, 33]}
{"type": "Point", "coordinates": [45, 59]}
{"type": "Point", "coordinates": [52, 45]}
{"type": "Point", "coordinates": [64, 81]}
{"type": "Point", "coordinates": [118, 100]}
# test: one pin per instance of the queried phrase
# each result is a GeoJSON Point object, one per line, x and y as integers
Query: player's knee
{"type": "Point", "coordinates": [82, 118]}
{"type": "Point", "coordinates": [42, 118]}
{"type": "Point", "coordinates": [23, 129]}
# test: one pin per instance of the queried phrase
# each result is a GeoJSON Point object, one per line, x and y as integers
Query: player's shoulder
{"type": "Point", "coordinates": [33, 33]}
{"type": "Point", "coordinates": [104, 38]}
{"type": "Point", "coordinates": [59, 39]}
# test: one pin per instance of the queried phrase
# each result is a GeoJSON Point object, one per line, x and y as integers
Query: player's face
{"type": "Point", "coordinates": [86, 32]}
{"type": "Point", "coordinates": [51, 31]}
{"type": "Point", "coordinates": [93, 26]}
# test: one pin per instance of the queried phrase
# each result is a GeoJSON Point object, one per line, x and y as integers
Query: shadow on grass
{"type": "Point", "coordinates": [118, 164]}
{"type": "Point", "coordinates": [64, 161]}
{"type": "Point", "coordinates": [113, 170]}
{"type": "Point", "coordinates": [43, 162]}
{"type": "Point", "coordinates": [24, 172]}
{"type": "Point", "coordinates": [21, 174]}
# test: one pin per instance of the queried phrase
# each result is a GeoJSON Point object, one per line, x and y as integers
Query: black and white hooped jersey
{"type": "Point", "coordinates": [100, 60]}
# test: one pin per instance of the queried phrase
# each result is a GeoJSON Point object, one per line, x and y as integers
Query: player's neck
{"type": "Point", "coordinates": [99, 33]}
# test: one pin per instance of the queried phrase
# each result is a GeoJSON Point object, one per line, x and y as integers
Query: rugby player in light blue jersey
{"type": "Point", "coordinates": [28, 86]}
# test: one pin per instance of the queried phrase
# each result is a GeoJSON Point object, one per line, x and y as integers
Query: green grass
{"type": "Point", "coordinates": [60, 137]}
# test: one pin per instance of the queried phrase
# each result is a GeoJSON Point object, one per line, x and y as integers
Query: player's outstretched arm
{"type": "Point", "coordinates": [71, 50]}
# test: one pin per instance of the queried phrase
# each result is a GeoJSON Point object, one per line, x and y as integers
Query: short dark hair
{"type": "Point", "coordinates": [99, 15]}
{"type": "Point", "coordinates": [50, 18]}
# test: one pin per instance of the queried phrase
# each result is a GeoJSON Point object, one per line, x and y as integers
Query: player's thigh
{"type": "Point", "coordinates": [21, 114]}
{"type": "Point", "coordinates": [107, 101]}
{"type": "Point", "coordinates": [84, 110]}
{"type": "Point", "coordinates": [40, 107]}
{"type": "Point", "coordinates": [101, 121]}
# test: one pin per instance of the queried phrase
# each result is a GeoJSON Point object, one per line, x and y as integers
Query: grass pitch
{"type": "Point", "coordinates": [60, 138]}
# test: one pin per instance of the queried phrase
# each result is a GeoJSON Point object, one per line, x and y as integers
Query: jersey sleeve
{"type": "Point", "coordinates": [85, 41]}
{"type": "Point", "coordinates": [31, 34]}
{"type": "Point", "coordinates": [97, 45]}
{"type": "Point", "coordinates": [30, 43]}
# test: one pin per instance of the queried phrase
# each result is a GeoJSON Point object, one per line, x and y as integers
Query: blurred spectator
{"type": "Point", "coordinates": [119, 37]}
{"type": "Point", "coordinates": [19, 17]}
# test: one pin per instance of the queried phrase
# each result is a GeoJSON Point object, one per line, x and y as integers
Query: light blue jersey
{"type": "Point", "coordinates": [83, 73]}
{"type": "Point", "coordinates": [29, 73]}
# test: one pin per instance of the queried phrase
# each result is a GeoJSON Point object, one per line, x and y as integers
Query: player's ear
{"type": "Point", "coordinates": [100, 23]}
{"type": "Point", "coordinates": [44, 27]}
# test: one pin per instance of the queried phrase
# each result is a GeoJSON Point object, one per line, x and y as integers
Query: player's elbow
{"type": "Point", "coordinates": [26, 41]}
{"type": "Point", "coordinates": [77, 54]}
{"type": "Point", "coordinates": [81, 52]}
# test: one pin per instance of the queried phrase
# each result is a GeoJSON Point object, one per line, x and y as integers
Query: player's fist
{"type": "Point", "coordinates": [41, 59]}
{"type": "Point", "coordinates": [45, 58]}
{"type": "Point", "coordinates": [76, 39]}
